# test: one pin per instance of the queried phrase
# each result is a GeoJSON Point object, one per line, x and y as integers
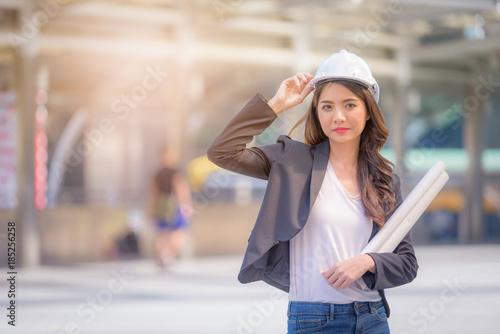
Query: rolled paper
{"type": "Point", "coordinates": [402, 220]}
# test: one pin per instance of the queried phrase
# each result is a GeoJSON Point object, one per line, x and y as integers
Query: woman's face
{"type": "Point", "coordinates": [341, 113]}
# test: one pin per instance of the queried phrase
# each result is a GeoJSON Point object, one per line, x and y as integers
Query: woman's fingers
{"type": "Point", "coordinates": [335, 276]}
{"type": "Point", "coordinates": [330, 275]}
{"type": "Point", "coordinates": [338, 280]}
{"type": "Point", "coordinates": [304, 77]}
{"type": "Point", "coordinates": [343, 273]}
{"type": "Point", "coordinates": [305, 92]}
{"type": "Point", "coordinates": [300, 79]}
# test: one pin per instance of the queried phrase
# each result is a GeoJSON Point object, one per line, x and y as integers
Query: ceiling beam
{"type": "Point", "coordinates": [262, 26]}
{"type": "Point", "coordinates": [423, 73]}
{"type": "Point", "coordinates": [12, 4]}
{"type": "Point", "coordinates": [460, 49]}
{"type": "Point", "coordinates": [228, 54]}
{"type": "Point", "coordinates": [113, 46]}
{"type": "Point", "coordinates": [173, 17]}
{"type": "Point", "coordinates": [204, 52]}
{"type": "Point", "coordinates": [452, 4]}
{"type": "Point", "coordinates": [360, 39]}
{"type": "Point", "coordinates": [409, 14]}
{"type": "Point", "coordinates": [105, 10]}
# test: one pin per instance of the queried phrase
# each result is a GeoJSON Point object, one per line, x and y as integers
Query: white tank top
{"type": "Point", "coordinates": [336, 229]}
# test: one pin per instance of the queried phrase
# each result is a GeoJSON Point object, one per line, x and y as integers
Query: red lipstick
{"type": "Point", "coordinates": [340, 130]}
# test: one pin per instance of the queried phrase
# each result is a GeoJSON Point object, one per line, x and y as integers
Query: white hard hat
{"type": "Point", "coordinates": [347, 66]}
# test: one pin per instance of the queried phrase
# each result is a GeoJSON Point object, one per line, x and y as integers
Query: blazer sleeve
{"type": "Point", "coordinates": [229, 149]}
{"type": "Point", "coordinates": [396, 268]}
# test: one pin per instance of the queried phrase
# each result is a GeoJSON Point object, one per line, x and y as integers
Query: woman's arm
{"type": "Point", "coordinates": [183, 193]}
{"type": "Point", "coordinates": [393, 269]}
{"type": "Point", "coordinates": [229, 148]}
{"type": "Point", "coordinates": [379, 270]}
{"type": "Point", "coordinates": [396, 268]}
{"type": "Point", "coordinates": [153, 197]}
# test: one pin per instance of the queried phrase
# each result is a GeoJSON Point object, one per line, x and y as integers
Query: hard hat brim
{"type": "Point", "coordinates": [373, 88]}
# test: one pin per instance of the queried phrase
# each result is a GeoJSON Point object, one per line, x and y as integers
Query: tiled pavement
{"type": "Point", "coordinates": [457, 291]}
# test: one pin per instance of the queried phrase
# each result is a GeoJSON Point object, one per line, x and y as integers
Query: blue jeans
{"type": "Point", "coordinates": [178, 222]}
{"type": "Point", "coordinates": [352, 318]}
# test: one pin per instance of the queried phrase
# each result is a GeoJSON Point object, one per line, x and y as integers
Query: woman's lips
{"type": "Point", "coordinates": [340, 130]}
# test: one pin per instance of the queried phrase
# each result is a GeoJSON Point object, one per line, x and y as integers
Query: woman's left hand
{"type": "Point", "coordinates": [343, 273]}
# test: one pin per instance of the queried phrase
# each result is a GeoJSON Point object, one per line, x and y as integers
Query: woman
{"type": "Point", "coordinates": [325, 199]}
{"type": "Point", "coordinates": [170, 206]}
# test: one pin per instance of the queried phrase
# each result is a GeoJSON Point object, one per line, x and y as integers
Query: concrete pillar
{"type": "Point", "coordinates": [28, 242]}
{"type": "Point", "coordinates": [471, 226]}
{"type": "Point", "coordinates": [180, 78]}
{"type": "Point", "coordinates": [399, 113]}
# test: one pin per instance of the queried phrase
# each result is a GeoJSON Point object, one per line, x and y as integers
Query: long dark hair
{"type": "Point", "coordinates": [375, 173]}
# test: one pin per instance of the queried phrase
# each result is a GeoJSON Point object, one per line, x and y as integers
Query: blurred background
{"type": "Point", "coordinates": [92, 91]}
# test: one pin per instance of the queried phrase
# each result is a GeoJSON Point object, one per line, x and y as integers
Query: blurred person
{"type": "Point", "coordinates": [171, 207]}
{"type": "Point", "coordinates": [325, 199]}
{"type": "Point", "coordinates": [126, 245]}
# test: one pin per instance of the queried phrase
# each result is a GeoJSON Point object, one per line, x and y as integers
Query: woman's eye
{"type": "Point", "coordinates": [326, 107]}
{"type": "Point", "coordinates": [350, 105]}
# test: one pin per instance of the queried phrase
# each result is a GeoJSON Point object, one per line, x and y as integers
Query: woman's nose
{"type": "Point", "coordinates": [338, 116]}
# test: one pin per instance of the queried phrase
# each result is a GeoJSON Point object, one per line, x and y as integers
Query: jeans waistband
{"type": "Point", "coordinates": [331, 309]}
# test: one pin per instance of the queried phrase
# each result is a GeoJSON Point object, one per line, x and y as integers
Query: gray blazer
{"type": "Point", "coordinates": [295, 173]}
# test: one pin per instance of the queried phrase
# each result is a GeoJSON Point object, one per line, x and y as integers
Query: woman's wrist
{"type": "Point", "coordinates": [275, 106]}
{"type": "Point", "coordinates": [370, 263]}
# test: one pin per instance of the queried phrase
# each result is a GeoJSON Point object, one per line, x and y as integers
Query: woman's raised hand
{"type": "Point", "coordinates": [292, 92]}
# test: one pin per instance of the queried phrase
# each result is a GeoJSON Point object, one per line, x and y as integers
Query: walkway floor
{"type": "Point", "coordinates": [457, 291]}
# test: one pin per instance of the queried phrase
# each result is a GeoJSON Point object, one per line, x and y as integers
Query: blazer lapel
{"type": "Point", "coordinates": [374, 230]}
{"type": "Point", "coordinates": [319, 169]}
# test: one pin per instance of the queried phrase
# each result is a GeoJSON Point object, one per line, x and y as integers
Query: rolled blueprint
{"type": "Point", "coordinates": [407, 214]}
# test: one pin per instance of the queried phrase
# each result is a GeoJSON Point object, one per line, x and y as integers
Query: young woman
{"type": "Point", "coordinates": [170, 198]}
{"type": "Point", "coordinates": [325, 199]}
